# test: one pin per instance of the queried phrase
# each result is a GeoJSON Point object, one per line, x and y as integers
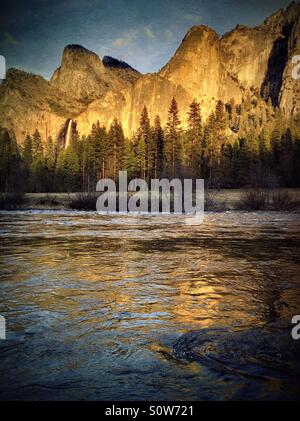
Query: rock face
{"type": "Point", "coordinates": [199, 68]}
{"type": "Point", "coordinates": [258, 355]}
{"type": "Point", "coordinates": [245, 61]}
{"type": "Point", "coordinates": [83, 76]}
{"type": "Point", "coordinates": [121, 70]}
{"type": "Point", "coordinates": [29, 102]}
{"type": "Point", "coordinates": [289, 98]}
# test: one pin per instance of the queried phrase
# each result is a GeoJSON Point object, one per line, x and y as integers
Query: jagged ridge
{"type": "Point", "coordinates": [245, 61]}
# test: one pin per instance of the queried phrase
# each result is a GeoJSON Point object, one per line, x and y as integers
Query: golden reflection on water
{"type": "Point", "coordinates": [81, 277]}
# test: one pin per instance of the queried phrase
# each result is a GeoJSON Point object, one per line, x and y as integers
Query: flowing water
{"type": "Point", "coordinates": [95, 304]}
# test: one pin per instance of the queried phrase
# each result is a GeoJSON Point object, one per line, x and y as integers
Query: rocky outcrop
{"type": "Point", "coordinates": [243, 62]}
{"type": "Point", "coordinates": [83, 76]}
{"type": "Point", "coordinates": [121, 69]}
{"type": "Point", "coordinates": [289, 98]}
{"type": "Point", "coordinates": [29, 102]}
{"type": "Point", "coordinates": [247, 65]}
{"type": "Point", "coordinates": [261, 353]}
{"type": "Point", "coordinates": [198, 67]}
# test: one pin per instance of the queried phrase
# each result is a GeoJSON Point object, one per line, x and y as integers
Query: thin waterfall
{"type": "Point", "coordinates": [68, 136]}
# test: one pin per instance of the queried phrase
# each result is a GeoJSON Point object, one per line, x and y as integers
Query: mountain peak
{"type": "Point", "coordinates": [121, 69]}
{"type": "Point", "coordinates": [109, 61]}
{"type": "Point", "coordinates": [76, 55]}
{"type": "Point", "coordinates": [199, 31]}
{"type": "Point", "coordinates": [76, 47]}
{"type": "Point", "coordinates": [282, 18]}
{"type": "Point", "coordinates": [81, 74]}
{"type": "Point", "coordinates": [206, 66]}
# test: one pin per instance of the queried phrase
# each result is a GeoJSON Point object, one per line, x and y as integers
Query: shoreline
{"type": "Point", "coordinates": [287, 200]}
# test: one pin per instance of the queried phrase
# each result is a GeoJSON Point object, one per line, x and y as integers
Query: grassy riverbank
{"type": "Point", "coordinates": [216, 200]}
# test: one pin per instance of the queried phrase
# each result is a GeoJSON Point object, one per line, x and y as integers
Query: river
{"type": "Point", "coordinates": [94, 304]}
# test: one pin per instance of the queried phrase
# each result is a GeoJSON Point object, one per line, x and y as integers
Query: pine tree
{"type": "Point", "coordinates": [92, 154]}
{"type": "Point", "coordinates": [193, 143]}
{"type": "Point", "coordinates": [209, 154]}
{"type": "Point", "coordinates": [158, 141]}
{"type": "Point", "coordinates": [262, 147]}
{"type": "Point", "coordinates": [50, 153]}
{"type": "Point", "coordinates": [286, 159]}
{"type": "Point", "coordinates": [27, 151]}
{"type": "Point", "coordinates": [276, 145]}
{"type": "Point", "coordinates": [145, 143]}
{"type": "Point", "coordinates": [38, 172]}
{"type": "Point", "coordinates": [67, 169]}
{"type": "Point", "coordinates": [172, 141]}
{"type": "Point", "coordinates": [220, 141]}
{"type": "Point", "coordinates": [130, 160]}
{"type": "Point", "coordinates": [226, 180]}
{"type": "Point", "coordinates": [98, 138]}
{"type": "Point", "coordinates": [116, 142]}
{"type": "Point", "coordinates": [50, 164]}
{"type": "Point", "coordinates": [220, 116]}
{"type": "Point", "coordinates": [88, 165]}
{"type": "Point", "coordinates": [235, 164]}
{"type": "Point", "coordinates": [244, 172]}
{"type": "Point", "coordinates": [5, 160]}
{"type": "Point", "coordinates": [37, 146]}
{"type": "Point", "coordinates": [141, 157]}
{"type": "Point", "coordinates": [296, 163]}
{"type": "Point", "coordinates": [253, 145]}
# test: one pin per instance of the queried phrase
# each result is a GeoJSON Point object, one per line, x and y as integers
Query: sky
{"type": "Point", "coordinates": [144, 33]}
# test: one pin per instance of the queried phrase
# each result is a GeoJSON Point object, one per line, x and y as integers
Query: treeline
{"type": "Point", "coordinates": [250, 144]}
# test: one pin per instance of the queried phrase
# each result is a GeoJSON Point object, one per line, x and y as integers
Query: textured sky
{"type": "Point", "coordinates": [144, 33]}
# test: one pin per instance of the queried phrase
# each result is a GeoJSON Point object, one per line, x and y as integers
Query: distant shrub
{"type": "Point", "coordinates": [211, 203]}
{"type": "Point", "coordinates": [254, 200]}
{"type": "Point", "coordinates": [12, 201]}
{"type": "Point", "coordinates": [48, 200]}
{"type": "Point", "coordinates": [83, 201]}
{"type": "Point", "coordinates": [282, 200]}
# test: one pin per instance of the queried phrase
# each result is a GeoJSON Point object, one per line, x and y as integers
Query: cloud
{"type": "Point", "coordinates": [168, 34]}
{"type": "Point", "coordinates": [149, 32]}
{"type": "Point", "coordinates": [192, 16]}
{"type": "Point", "coordinates": [9, 39]}
{"type": "Point", "coordinates": [103, 51]}
{"type": "Point", "coordinates": [120, 42]}
{"type": "Point", "coordinates": [128, 38]}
